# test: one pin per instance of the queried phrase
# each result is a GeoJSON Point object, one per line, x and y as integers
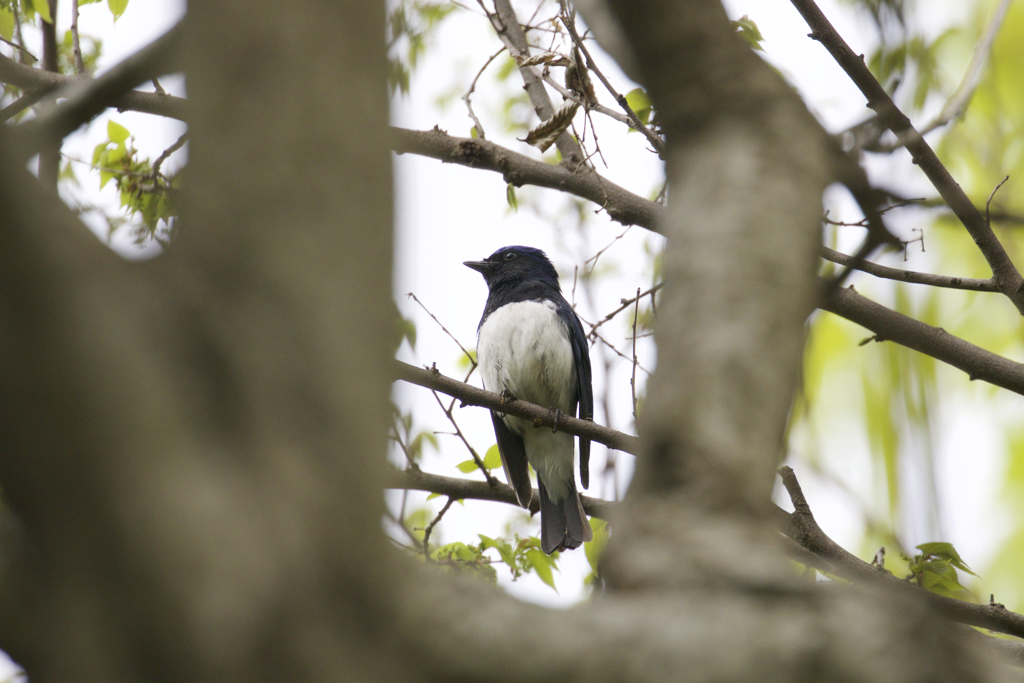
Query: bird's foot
{"type": "Point", "coordinates": [506, 396]}
{"type": "Point", "coordinates": [558, 414]}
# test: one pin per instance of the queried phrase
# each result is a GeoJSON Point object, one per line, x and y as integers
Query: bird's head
{"type": "Point", "coordinates": [510, 265]}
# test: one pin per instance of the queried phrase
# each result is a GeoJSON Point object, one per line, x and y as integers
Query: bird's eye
{"type": "Point", "coordinates": [510, 255]}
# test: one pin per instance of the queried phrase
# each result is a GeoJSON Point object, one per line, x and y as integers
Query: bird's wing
{"type": "Point", "coordinates": [513, 460]}
{"type": "Point", "coordinates": [585, 389]}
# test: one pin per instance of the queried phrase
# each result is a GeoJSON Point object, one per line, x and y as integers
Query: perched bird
{"type": "Point", "coordinates": [531, 346]}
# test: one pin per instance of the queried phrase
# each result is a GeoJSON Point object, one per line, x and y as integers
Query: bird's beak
{"type": "Point", "coordinates": [482, 267]}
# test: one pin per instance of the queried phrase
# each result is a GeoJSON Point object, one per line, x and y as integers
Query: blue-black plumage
{"type": "Point", "coordinates": [531, 345]}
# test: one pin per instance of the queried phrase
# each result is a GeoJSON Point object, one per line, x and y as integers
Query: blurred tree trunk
{"type": "Point", "coordinates": [193, 446]}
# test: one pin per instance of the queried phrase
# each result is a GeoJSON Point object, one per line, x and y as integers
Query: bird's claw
{"type": "Point", "coordinates": [558, 414]}
{"type": "Point", "coordinates": [506, 396]}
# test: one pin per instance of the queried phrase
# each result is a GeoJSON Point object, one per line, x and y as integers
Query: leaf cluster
{"type": "Point", "coordinates": [934, 569]}
{"type": "Point", "coordinates": [143, 190]}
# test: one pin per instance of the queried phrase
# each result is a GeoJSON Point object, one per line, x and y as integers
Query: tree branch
{"type": "Point", "coordinates": [634, 121]}
{"type": "Point", "coordinates": [957, 102]}
{"type": "Point", "coordinates": [810, 546]}
{"type": "Point", "coordinates": [86, 98]}
{"type": "Point", "coordinates": [971, 284]}
{"type": "Point", "coordinates": [506, 24]}
{"type": "Point", "coordinates": [541, 417]}
{"type": "Point", "coordinates": [1010, 282]}
{"type": "Point", "coordinates": [39, 81]}
{"type": "Point", "coordinates": [888, 325]}
{"type": "Point", "coordinates": [805, 531]}
{"type": "Point", "coordinates": [458, 488]}
{"type": "Point", "coordinates": [622, 205]}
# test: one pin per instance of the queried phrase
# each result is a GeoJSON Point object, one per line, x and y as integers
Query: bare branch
{"type": "Point", "coordinates": [888, 325]}
{"type": "Point", "coordinates": [1010, 282]}
{"type": "Point", "coordinates": [599, 108]}
{"type": "Point", "coordinates": [19, 47]}
{"type": "Point", "coordinates": [632, 379]}
{"type": "Point", "coordinates": [988, 204]}
{"type": "Point", "coordinates": [39, 83]}
{"type": "Point", "coordinates": [86, 98]}
{"type": "Point", "coordinates": [539, 415]}
{"type": "Point", "coordinates": [459, 489]}
{"type": "Point", "coordinates": [76, 44]}
{"type": "Point", "coordinates": [805, 531]}
{"type": "Point", "coordinates": [467, 98]}
{"type": "Point", "coordinates": [967, 283]}
{"type": "Point", "coordinates": [625, 304]}
{"type": "Point", "coordinates": [430, 527]}
{"type": "Point", "coordinates": [451, 336]}
{"type": "Point", "coordinates": [178, 144]}
{"type": "Point", "coordinates": [635, 122]}
{"type": "Point", "coordinates": [622, 205]}
{"type": "Point", "coordinates": [506, 24]}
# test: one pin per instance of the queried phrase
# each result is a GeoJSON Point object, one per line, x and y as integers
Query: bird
{"type": "Point", "coordinates": [531, 346]}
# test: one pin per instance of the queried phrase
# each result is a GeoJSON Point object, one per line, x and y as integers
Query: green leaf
{"type": "Point", "coordinates": [748, 31]}
{"type": "Point", "coordinates": [432, 496]}
{"type": "Point", "coordinates": [117, 7]}
{"type": "Point", "coordinates": [466, 360]}
{"type": "Point", "coordinates": [43, 7]}
{"type": "Point", "coordinates": [473, 132]}
{"type": "Point", "coordinates": [6, 23]}
{"type": "Point", "coordinates": [945, 551]}
{"type": "Point", "coordinates": [542, 564]}
{"type": "Point", "coordinates": [510, 197]}
{"type": "Point", "coordinates": [503, 548]}
{"type": "Point", "coordinates": [100, 148]}
{"type": "Point", "coordinates": [640, 103]}
{"type": "Point", "coordinates": [467, 466]}
{"type": "Point", "coordinates": [117, 132]}
{"type": "Point", "coordinates": [113, 156]}
{"type": "Point", "coordinates": [493, 458]}
{"type": "Point", "coordinates": [105, 177]}
{"type": "Point", "coordinates": [594, 548]}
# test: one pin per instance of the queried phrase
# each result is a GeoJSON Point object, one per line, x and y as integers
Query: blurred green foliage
{"type": "Point", "coordinates": [899, 401]}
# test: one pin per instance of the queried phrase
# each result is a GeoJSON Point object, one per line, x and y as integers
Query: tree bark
{"type": "Point", "coordinates": [193, 445]}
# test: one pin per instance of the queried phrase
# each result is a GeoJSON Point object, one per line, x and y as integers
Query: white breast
{"type": "Point", "coordinates": [524, 348]}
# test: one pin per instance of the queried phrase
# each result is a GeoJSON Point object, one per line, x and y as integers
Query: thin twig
{"type": "Point", "coordinates": [401, 525]}
{"type": "Point", "coordinates": [599, 108]}
{"type": "Point", "coordinates": [397, 438]}
{"type": "Point", "coordinates": [966, 283]}
{"type": "Point", "coordinates": [1011, 284]}
{"type": "Point", "coordinates": [469, 94]}
{"type": "Point", "coordinates": [452, 336]}
{"type": "Point", "coordinates": [76, 45]}
{"type": "Point", "coordinates": [635, 122]}
{"type": "Point", "coordinates": [507, 26]}
{"type": "Point", "coordinates": [988, 204]}
{"type": "Point", "coordinates": [618, 353]}
{"type": "Point", "coordinates": [430, 527]}
{"type": "Point", "coordinates": [179, 143]}
{"type": "Point", "coordinates": [626, 303]}
{"type": "Point", "coordinates": [632, 379]}
{"type": "Point", "coordinates": [16, 46]}
{"type": "Point", "coordinates": [596, 256]}
{"type": "Point", "coordinates": [458, 432]}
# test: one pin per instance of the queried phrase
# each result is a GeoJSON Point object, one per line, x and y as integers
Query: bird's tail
{"type": "Point", "coordinates": [562, 525]}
